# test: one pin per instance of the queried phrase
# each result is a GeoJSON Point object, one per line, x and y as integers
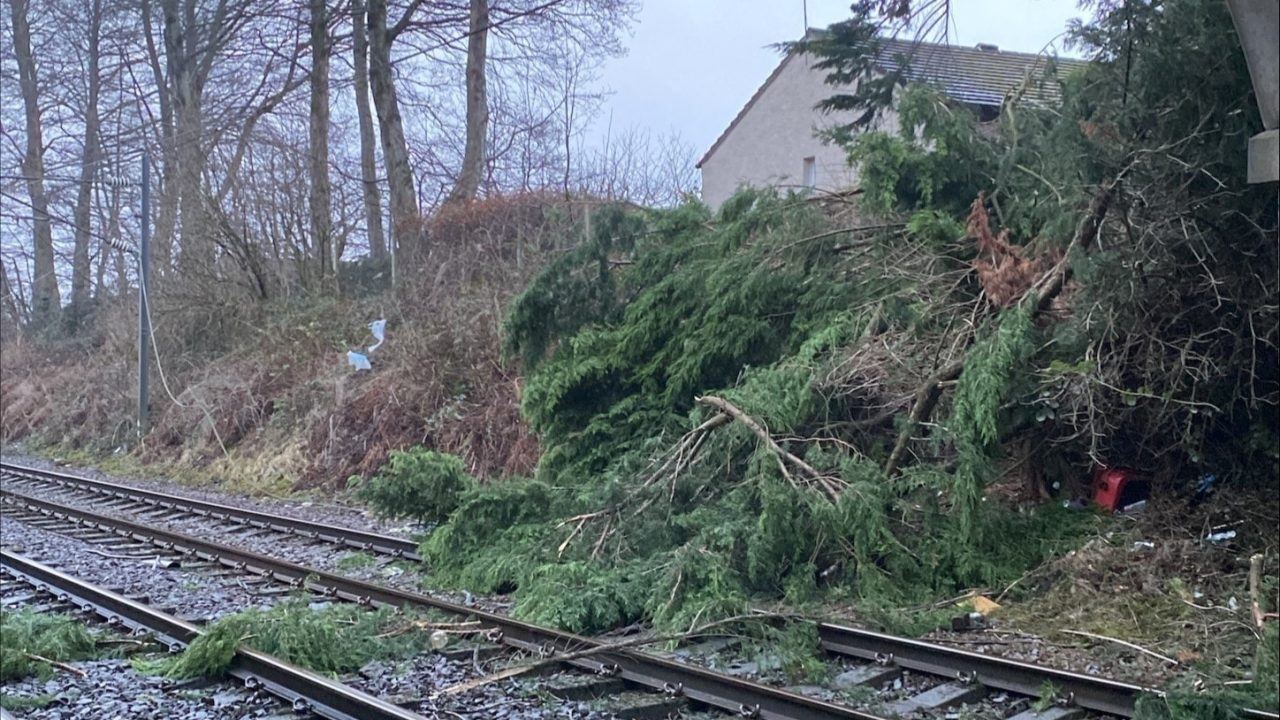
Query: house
{"type": "Point", "coordinates": [773, 141]}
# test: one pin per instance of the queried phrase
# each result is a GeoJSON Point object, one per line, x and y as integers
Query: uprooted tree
{"type": "Point", "coordinates": [774, 400]}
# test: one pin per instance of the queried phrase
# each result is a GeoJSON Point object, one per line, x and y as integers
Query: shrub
{"type": "Point", "coordinates": [420, 484]}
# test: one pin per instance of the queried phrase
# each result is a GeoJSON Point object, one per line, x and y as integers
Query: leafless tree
{"type": "Point", "coordinates": [395, 150]}
{"type": "Point", "coordinates": [319, 145]}
{"type": "Point", "coordinates": [368, 161]}
{"type": "Point", "coordinates": [473, 158]}
{"type": "Point", "coordinates": [89, 163]}
{"type": "Point", "coordinates": [46, 299]}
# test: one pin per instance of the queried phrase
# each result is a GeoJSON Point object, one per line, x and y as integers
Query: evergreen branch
{"type": "Point", "coordinates": [728, 408]}
{"type": "Point", "coordinates": [1048, 287]}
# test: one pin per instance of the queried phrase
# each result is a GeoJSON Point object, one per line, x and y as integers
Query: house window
{"type": "Point", "coordinates": [810, 173]}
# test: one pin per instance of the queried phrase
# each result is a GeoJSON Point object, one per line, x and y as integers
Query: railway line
{"type": "Point", "coordinates": [931, 680]}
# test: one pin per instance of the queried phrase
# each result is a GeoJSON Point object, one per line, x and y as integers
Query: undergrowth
{"type": "Point", "coordinates": [1181, 702]}
{"type": "Point", "coordinates": [333, 639]}
{"type": "Point", "coordinates": [31, 638]}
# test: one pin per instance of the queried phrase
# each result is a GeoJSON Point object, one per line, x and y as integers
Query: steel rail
{"type": "Point", "coordinates": [732, 694]}
{"type": "Point", "coordinates": [1092, 693]}
{"type": "Point", "coordinates": [303, 689]}
{"type": "Point", "coordinates": [359, 539]}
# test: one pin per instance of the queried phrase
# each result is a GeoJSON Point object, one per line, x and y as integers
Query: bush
{"type": "Point", "coordinates": [420, 484]}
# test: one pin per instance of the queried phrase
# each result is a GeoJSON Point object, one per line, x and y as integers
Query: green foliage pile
{"type": "Point", "coordinates": [333, 639]}
{"type": "Point", "coordinates": [647, 505]}
{"type": "Point", "coordinates": [28, 635]}
{"type": "Point", "coordinates": [751, 305]}
{"type": "Point", "coordinates": [420, 484]}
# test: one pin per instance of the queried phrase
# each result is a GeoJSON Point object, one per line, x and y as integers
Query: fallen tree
{"type": "Point", "coordinates": [734, 406]}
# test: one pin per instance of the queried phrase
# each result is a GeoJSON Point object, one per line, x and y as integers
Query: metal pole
{"type": "Point", "coordinates": [144, 317]}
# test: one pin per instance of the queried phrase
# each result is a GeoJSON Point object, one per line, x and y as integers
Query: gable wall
{"type": "Point", "coordinates": [768, 144]}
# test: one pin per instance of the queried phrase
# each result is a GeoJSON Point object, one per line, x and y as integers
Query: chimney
{"type": "Point", "coordinates": [988, 47]}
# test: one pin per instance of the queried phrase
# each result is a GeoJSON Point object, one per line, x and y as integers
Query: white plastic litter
{"type": "Point", "coordinates": [358, 361]}
{"type": "Point", "coordinates": [379, 329]}
{"type": "Point", "coordinates": [1220, 536]}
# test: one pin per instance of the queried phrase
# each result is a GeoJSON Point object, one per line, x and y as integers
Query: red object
{"type": "Point", "coordinates": [1109, 485]}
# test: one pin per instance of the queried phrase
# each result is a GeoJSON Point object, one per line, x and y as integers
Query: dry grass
{"type": "Point", "coordinates": [266, 401]}
{"type": "Point", "coordinates": [1180, 596]}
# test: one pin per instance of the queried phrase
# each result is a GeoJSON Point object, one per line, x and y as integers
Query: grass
{"type": "Point", "coordinates": [252, 476]}
{"type": "Point", "coordinates": [31, 638]}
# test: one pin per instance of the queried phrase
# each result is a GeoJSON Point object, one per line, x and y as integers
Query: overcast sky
{"type": "Point", "coordinates": [692, 64]}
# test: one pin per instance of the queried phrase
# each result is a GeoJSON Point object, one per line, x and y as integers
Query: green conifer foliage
{"type": "Point", "coordinates": [757, 305]}
{"type": "Point", "coordinates": [1159, 350]}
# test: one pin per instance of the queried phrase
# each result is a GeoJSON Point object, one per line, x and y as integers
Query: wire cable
{"type": "Point", "coordinates": [155, 351]}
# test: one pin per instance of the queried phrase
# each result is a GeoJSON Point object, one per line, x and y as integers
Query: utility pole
{"type": "Point", "coordinates": [144, 314]}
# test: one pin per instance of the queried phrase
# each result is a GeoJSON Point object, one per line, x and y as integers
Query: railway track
{"type": "Point", "coordinates": [303, 690]}
{"type": "Point", "coordinates": [956, 678]}
{"type": "Point", "coordinates": [124, 497]}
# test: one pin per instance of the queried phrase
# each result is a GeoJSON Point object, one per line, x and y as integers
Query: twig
{"type": "Point", "coordinates": [517, 670]}
{"type": "Point", "coordinates": [459, 628]}
{"type": "Point", "coordinates": [1127, 644]}
{"type": "Point", "coordinates": [1255, 573]}
{"type": "Point", "coordinates": [61, 666]}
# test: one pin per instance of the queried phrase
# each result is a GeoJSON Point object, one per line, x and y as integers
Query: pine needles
{"type": "Point", "coordinates": [32, 640]}
{"type": "Point", "coordinates": [697, 457]}
{"type": "Point", "coordinates": [333, 639]}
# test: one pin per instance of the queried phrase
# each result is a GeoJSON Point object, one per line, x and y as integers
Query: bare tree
{"type": "Point", "coordinates": [395, 151]}
{"type": "Point", "coordinates": [319, 146]}
{"type": "Point", "coordinates": [368, 165]}
{"type": "Point", "coordinates": [195, 34]}
{"type": "Point", "coordinates": [46, 300]}
{"type": "Point", "coordinates": [473, 158]}
{"type": "Point", "coordinates": [90, 154]}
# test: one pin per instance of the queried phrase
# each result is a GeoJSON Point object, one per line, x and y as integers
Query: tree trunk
{"type": "Point", "coordinates": [45, 299]}
{"type": "Point", "coordinates": [90, 155]}
{"type": "Point", "coordinates": [321, 229]}
{"type": "Point", "coordinates": [473, 158]}
{"type": "Point", "coordinates": [186, 53]}
{"type": "Point", "coordinates": [395, 152]}
{"type": "Point", "coordinates": [162, 237]}
{"type": "Point", "coordinates": [368, 164]}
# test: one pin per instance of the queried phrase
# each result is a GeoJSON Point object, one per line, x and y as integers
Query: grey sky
{"type": "Point", "coordinates": [693, 63]}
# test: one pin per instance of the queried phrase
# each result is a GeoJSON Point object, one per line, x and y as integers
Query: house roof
{"type": "Point", "coordinates": [978, 76]}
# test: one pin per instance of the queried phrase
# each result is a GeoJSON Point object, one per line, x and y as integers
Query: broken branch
{"type": "Point", "coordinates": [783, 454]}
{"type": "Point", "coordinates": [1046, 289]}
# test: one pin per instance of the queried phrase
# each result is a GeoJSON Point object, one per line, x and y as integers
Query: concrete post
{"type": "Point", "coordinates": [1258, 26]}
